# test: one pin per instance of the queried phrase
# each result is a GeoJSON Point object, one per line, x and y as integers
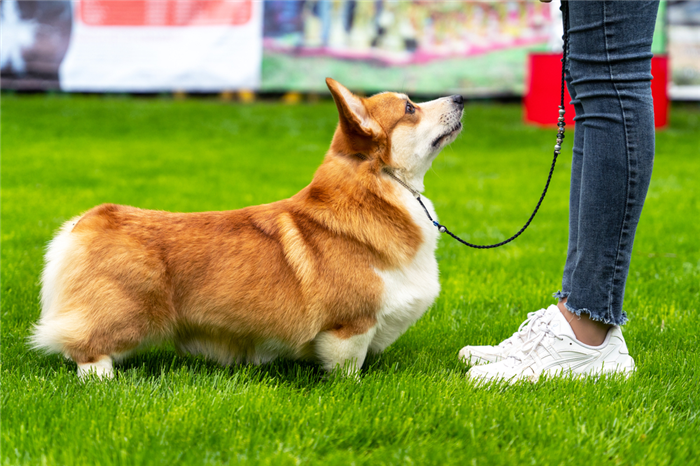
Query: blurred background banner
{"type": "Point", "coordinates": [423, 47]}
{"type": "Point", "coordinates": [154, 45]}
{"type": "Point", "coordinates": [133, 45]}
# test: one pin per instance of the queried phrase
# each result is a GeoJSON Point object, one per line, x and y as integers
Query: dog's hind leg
{"type": "Point", "coordinates": [101, 367]}
{"type": "Point", "coordinates": [343, 350]}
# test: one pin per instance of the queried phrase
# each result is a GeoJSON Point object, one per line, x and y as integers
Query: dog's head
{"type": "Point", "coordinates": [391, 131]}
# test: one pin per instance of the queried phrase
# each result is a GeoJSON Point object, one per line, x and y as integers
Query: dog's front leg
{"type": "Point", "coordinates": [341, 349]}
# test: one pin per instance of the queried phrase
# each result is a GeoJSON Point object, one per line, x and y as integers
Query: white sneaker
{"type": "Point", "coordinates": [554, 350]}
{"type": "Point", "coordinates": [487, 354]}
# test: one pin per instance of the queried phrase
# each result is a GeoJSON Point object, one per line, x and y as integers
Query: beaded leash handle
{"type": "Point", "coordinates": [557, 150]}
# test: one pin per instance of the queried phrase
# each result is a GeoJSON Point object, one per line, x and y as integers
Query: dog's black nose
{"type": "Point", "coordinates": [458, 100]}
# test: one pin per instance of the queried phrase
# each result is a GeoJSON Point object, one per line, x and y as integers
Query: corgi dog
{"type": "Point", "coordinates": [340, 269]}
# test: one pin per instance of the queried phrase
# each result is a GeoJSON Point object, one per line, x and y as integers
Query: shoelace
{"type": "Point", "coordinates": [530, 323]}
{"type": "Point", "coordinates": [531, 345]}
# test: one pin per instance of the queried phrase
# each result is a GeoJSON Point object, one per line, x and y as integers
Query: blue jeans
{"type": "Point", "coordinates": [609, 74]}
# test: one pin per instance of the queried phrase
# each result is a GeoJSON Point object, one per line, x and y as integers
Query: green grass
{"type": "Point", "coordinates": [63, 155]}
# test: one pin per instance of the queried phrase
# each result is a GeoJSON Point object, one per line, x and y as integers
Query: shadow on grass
{"type": "Point", "coordinates": [298, 375]}
{"type": "Point", "coordinates": [164, 362]}
{"type": "Point", "coordinates": [157, 363]}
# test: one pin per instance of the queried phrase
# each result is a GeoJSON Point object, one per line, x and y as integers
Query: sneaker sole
{"type": "Point", "coordinates": [473, 360]}
{"type": "Point", "coordinates": [625, 368]}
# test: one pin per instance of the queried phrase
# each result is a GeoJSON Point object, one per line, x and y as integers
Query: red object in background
{"type": "Point", "coordinates": [544, 86]}
{"type": "Point", "coordinates": [165, 12]}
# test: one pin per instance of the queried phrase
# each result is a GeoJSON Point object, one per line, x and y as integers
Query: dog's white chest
{"type": "Point", "coordinates": [409, 291]}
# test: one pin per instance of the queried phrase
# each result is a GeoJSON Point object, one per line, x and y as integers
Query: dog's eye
{"type": "Point", "coordinates": [410, 108]}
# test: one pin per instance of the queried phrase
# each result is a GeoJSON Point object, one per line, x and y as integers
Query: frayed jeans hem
{"type": "Point", "coordinates": [619, 322]}
{"type": "Point", "coordinates": [565, 294]}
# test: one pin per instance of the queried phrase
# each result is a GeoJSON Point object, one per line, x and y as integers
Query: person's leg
{"type": "Point", "coordinates": [610, 70]}
{"type": "Point", "coordinates": [586, 330]}
{"type": "Point", "coordinates": [610, 55]}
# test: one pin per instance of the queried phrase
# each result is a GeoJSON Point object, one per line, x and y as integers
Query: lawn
{"type": "Point", "coordinates": [62, 155]}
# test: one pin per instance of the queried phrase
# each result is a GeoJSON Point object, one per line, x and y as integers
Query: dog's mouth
{"type": "Point", "coordinates": [455, 129]}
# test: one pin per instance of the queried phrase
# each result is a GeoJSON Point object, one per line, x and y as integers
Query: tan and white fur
{"type": "Point", "coordinates": [338, 270]}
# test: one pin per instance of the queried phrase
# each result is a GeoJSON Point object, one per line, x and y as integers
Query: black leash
{"type": "Point", "coordinates": [557, 150]}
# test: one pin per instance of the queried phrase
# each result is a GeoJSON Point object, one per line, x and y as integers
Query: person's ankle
{"type": "Point", "coordinates": [587, 331]}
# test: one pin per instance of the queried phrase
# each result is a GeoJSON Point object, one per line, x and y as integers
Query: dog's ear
{"type": "Point", "coordinates": [354, 117]}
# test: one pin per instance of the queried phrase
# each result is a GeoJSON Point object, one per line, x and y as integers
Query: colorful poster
{"type": "Point", "coordinates": [161, 45]}
{"type": "Point", "coordinates": [417, 46]}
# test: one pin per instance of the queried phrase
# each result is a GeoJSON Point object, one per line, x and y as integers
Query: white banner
{"type": "Point", "coordinates": [156, 45]}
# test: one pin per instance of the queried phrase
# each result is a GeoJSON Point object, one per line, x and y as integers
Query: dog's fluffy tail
{"type": "Point", "coordinates": [51, 331]}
